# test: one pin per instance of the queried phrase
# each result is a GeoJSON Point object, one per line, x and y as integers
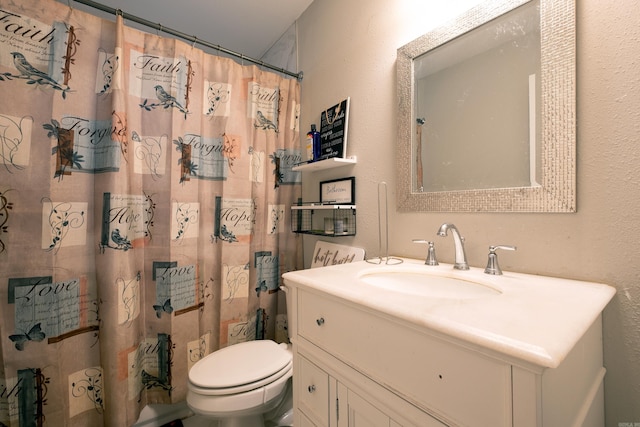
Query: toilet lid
{"type": "Point", "coordinates": [239, 364]}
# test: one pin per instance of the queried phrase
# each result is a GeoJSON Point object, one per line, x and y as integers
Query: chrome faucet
{"type": "Point", "coordinates": [458, 241]}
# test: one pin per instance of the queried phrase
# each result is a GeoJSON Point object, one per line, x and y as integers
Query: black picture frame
{"type": "Point", "coordinates": [340, 191]}
{"type": "Point", "coordinates": [334, 129]}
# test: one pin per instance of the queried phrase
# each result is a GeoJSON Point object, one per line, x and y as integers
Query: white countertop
{"type": "Point", "coordinates": [536, 319]}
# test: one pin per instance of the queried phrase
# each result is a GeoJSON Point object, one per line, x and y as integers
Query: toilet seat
{"type": "Point", "coordinates": [241, 367]}
{"type": "Point", "coordinates": [285, 372]}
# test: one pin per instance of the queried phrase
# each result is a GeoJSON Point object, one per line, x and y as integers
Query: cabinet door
{"type": "Point", "coordinates": [363, 414]}
{"type": "Point", "coordinates": [353, 411]}
{"type": "Point", "coordinates": [356, 411]}
{"type": "Point", "coordinates": [313, 395]}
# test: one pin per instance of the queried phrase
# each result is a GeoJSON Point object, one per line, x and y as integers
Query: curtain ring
{"type": "Point", "coordinates": [119, 12]}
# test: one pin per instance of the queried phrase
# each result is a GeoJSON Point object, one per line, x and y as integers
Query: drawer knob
{"type": "Point", "coordinates": [320, 321]}
{"type": "Point", "coordinates": [311, 388]}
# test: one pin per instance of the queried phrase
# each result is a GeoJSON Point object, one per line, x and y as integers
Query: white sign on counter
{"type": "Point", "coordinates": [326, 254]}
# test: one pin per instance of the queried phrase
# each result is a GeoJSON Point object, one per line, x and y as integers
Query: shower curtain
{"type": "Point", "coordinates": [145, 188]}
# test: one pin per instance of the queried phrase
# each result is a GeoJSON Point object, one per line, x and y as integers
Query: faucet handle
{"type": "Point", "coordinates": [492, 263]}
{"type": "Point", "coordinates": [431, 252]}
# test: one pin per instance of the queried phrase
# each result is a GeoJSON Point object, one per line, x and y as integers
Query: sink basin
{"type": "Point", "coordinates": [427, 284]}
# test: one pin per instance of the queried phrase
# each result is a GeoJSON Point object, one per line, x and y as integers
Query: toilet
{"type": "Point", "coordinates": [244, 385]}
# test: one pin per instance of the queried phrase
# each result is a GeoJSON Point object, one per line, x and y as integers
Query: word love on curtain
{"type": "Point", "coordinates": [145, 189]}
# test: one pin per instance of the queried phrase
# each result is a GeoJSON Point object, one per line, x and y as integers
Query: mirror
{"type": "Point", "coordinates": [487, 111]}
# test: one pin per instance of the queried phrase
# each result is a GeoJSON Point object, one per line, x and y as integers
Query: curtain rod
{"type": "Point", "coordinates": [192, 39]}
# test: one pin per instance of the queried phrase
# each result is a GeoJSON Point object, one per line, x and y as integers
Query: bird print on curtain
{"type": "Point", "coordinates": [32, 74]}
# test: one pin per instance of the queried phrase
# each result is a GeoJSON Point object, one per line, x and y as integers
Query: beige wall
{"type": "Point", "coordinates": [348, 48]}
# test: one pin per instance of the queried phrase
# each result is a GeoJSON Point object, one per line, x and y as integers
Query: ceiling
{"type": "Point", "coordinates": [248, 27]}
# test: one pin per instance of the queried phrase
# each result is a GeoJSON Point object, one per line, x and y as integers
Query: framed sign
{"type": "Point", "coordinates": [326, 253]}
{"type": "Point", "coordinates": [334, 126]}
{"type": "Point", "coordinates": [338, 191]}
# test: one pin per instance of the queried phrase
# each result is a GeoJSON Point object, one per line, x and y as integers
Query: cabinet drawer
{"type": "Point", "coordinates": [313, 391]}
{"type": "Point", "coordinates": [462, 386]}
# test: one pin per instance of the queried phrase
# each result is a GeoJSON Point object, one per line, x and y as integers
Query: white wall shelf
{"type": "Point", "coordinates": [334, 162]}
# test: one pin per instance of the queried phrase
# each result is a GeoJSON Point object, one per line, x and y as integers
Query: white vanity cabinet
{"type": "Point", "coordinates": [357, 366]}
{"type": "Point", "coordinates": [352, 400]}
